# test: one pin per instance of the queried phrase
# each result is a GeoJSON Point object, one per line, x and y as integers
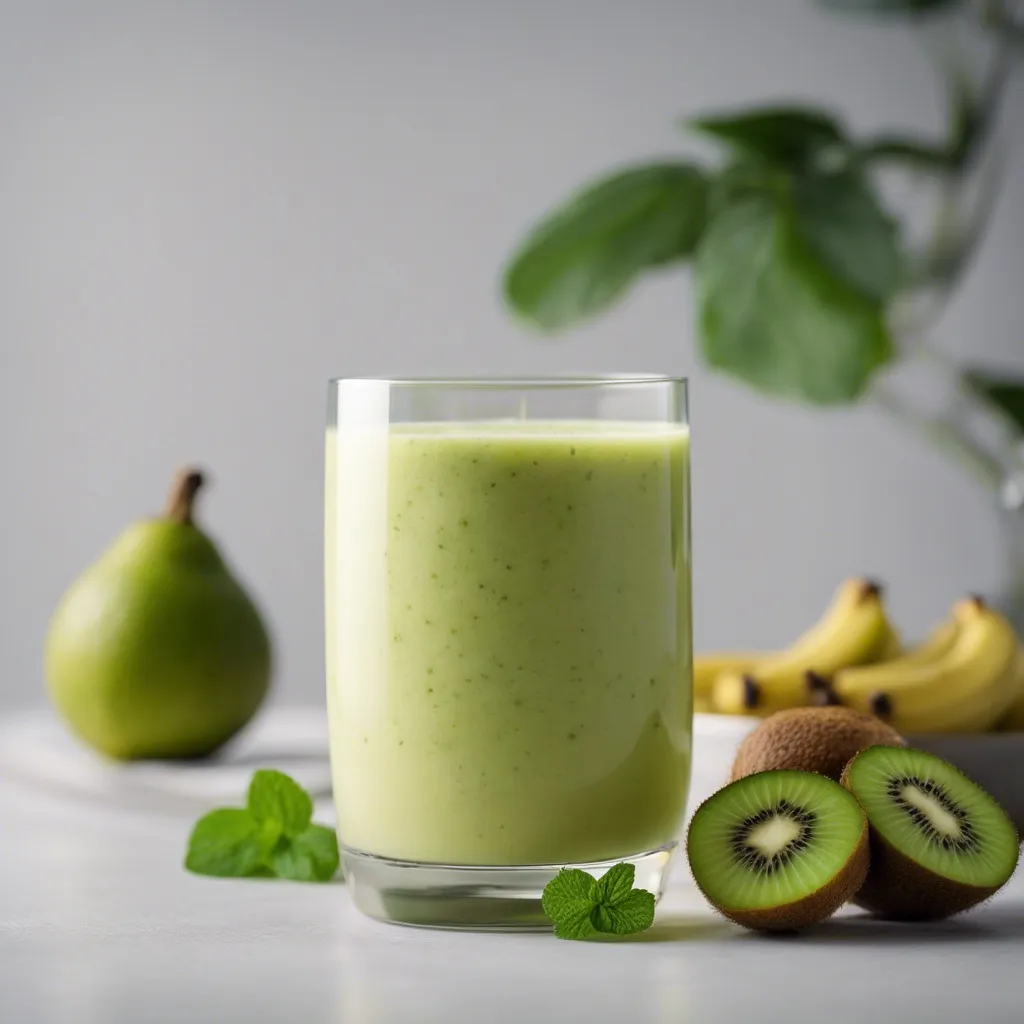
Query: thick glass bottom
{"type": "Point", "coordinates": [474, 897]}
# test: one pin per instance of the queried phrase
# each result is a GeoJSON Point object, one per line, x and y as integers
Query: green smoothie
{"type": "Point", "coordinates": [508, 639]}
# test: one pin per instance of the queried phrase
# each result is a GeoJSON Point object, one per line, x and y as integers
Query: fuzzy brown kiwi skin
{"type": "Point", "coordinates": [821, 740]}
{"type": "Point", "coordinates": [898, 889]}
{"type": "Point", "coordinates": [812, 909]}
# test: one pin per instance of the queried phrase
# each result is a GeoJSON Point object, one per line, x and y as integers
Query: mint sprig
{"type": "Point", "coordinates": [581, 906]}
{"type": "Point", "coordinates": [272, 835]}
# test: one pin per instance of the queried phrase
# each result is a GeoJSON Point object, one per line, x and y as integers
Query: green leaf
{"type": "Point", "coordinates": [634, 913]}
{"type": "Point", "coordinates": [1007, 393]}
{"type": "Point", "coordinates": [581, 905]}
{"type": "Point", "coordinates": [569, 899]}
{"type": "Point", "coordinates": [888, 6]}
{"type": "Point", "coordinates": [615, 884]}
{"type": "Point", "coordinates": [575, 921]}
{"type": "Point", "coordinates": [789, 136]}
{"type": "Point", "coordinates": [836, 213]}
{"type": "Point", "coordinates": [275, 797]}
{"type": "Point", "coordinates": [622, 909]}
{"type": "Point", "coordinates": [771, 314]}
{"type": "Point", "coordinates": [272, 836]}
{"type": "Point", "coordinates": [311, 856]}
{"type": "Point", "coordinates": [269, 832]}
{"type": "Point", "coordinates": [224, 843]}
{"type": "Point", "coordinates": [743, 179]}
{"type": "Point", "coordinates": [570, 884]}
{"type": "Point", "coordinates": [320, 844]}
{"type": "Point", "coordinates": [584, 256]}
{"type": "Point", "coordinates": [843, 222]}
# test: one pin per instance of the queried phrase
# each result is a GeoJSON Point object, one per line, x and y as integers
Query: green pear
{"type": "Point", "coordinates": [156, 651]}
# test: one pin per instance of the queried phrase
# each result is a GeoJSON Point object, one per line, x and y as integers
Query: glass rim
{"type": "Point", "coordinates": [540, 382]}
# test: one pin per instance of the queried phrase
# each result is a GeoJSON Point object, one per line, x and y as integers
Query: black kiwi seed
{"type": "Point", "coordinates": [754, 859]}
{"type": "Point", "coordinates": [965, 841]}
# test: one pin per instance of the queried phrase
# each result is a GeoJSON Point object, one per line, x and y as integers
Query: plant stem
{"type": "Point", "coordinates": [997, 18]}
{"type": "Point", "coordinates": [967, 191]}
{"type": "Point", "coordinates": [947, 435]}
{"type": "Point", "coordinates": [973, 399]}
{"type": "Point", "coordinates": [972, 428]}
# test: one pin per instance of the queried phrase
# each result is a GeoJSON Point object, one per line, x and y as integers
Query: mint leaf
{"type": "Point", "coordinates": [272, 836]}
{"type": "Point", "coordinates": [568, 899]}
{"type": "Point", "coordinates": [585, 254]}
{"type": "Point", "coordinates": [842, 221]}
{"type": "Point", "coordinates": [615, 884]}
{"type": "Point", "coordinates": [574, 921]}
{"type": "Point", "coordinates": [789, 136]}
{"type": "Point", "coordinates": [311, 856]}
{"type": "Point", "coordinates": [274, 797]}
{"type": "Point", "coordinates": [622, 909]}
{"type": "Point", "coordinates": [268, 833]}
{"type": "Point", "coordinates": [569, 885]}
{"type": "Point", "coordinates": [634, 913]}
{"type": "Point", "coordinates": [772, 315]}
{"type": "Point", "coordinates": [580, 905]}
{"type": "Point", "coordinates": [320, 844]}
{"type": "Point", "coordinates": [225, 844]}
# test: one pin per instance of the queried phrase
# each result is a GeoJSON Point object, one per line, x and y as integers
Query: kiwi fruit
{"type": "Point", "coordinates": [779, 850]}
{"type": "Point", "coordinates": [819, 740]}
{"type": "Point", "coordinates": [939, 843]}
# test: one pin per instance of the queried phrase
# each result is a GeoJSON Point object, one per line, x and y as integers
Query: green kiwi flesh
{"type": "Point", "coordinates": [779, 850]}
{"type": "Point", "coordinates": [939, 843]}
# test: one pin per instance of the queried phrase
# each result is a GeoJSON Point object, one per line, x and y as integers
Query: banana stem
{"type": "Point", "coordinates": [181, 500]}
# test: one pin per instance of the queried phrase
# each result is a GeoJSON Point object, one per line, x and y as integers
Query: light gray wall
{"type": "Point", "coordinates": [208, 209]}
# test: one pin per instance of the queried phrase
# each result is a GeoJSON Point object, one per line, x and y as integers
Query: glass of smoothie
{"type": "Point", "coordinates": [508, 628]}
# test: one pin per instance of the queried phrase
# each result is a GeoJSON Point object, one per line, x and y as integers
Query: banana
{"type": "Point", "coordinates": [1013, 720]}
{"type": "Point", "coordinates": [702, 705]}
{"type": "Point", "coordinates": [971, 713]}
{"type": "Point", "coordinates": [708, 667]}
{"type": "Point", "coordinates": [960, 680]}
{"type": "Point", "coordinates": [852, 631]}
{"type": "Point", "coordinates": [936, 645]}
{"type": "Point", "coordinates": [893, 646]}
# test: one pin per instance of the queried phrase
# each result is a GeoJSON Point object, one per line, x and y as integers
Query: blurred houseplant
{"type": "Point", "coordinates": [807, 286]}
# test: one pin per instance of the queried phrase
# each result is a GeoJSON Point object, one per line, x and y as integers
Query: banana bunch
{"type": "Point", "coordinates": [853, 630]}
{"type": "Point", "coordinates": [967, 676]}
{"type": "Point", "coordinates": [963, 678]}
{"type": "Point", "coordinates": [708, 667]}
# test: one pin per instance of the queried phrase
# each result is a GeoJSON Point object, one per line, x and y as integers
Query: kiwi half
{"type": "Point", "coordinates": [939, 843]}
{"type": "Point", "coordinates": [779, 850]}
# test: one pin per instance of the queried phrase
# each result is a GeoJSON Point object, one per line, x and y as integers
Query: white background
{"type": "Point", "coordinates": [207, 209]}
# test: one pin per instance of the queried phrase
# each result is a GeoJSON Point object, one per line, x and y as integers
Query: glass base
{"type": "Point", "coordinates": [477, 898]}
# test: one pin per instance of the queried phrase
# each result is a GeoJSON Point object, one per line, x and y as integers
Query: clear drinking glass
{"type": "Point", "coordinates": [509, 663]}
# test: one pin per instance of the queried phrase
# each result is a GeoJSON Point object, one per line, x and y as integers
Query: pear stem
{"type": "Point", "coordinates": [183, 495]}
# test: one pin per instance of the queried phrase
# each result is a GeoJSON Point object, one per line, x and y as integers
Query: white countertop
{"type": "Point", "coordinates": [99, 924]}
